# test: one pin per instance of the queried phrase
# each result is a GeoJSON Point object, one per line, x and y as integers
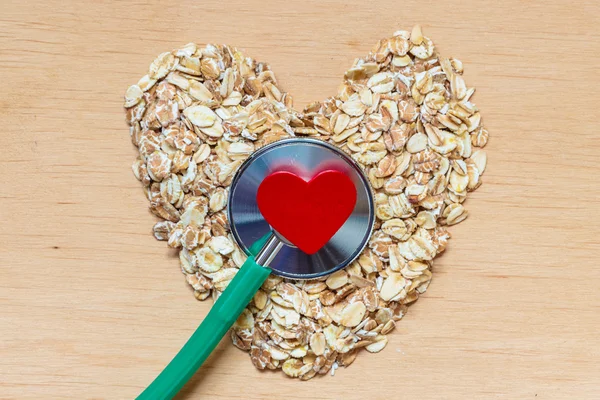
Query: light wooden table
{"type": "Point", "coordinates": [93, 307]}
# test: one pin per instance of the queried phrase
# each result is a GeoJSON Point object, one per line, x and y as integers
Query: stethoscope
{"type": "Point", "coordinates": [255, 184]}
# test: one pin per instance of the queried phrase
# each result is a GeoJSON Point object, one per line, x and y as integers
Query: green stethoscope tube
{"type": "Point", "coordinates": [215, 325]}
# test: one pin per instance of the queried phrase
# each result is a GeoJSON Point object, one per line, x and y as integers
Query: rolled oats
{"type": "Point", "coordinates": [403, 113]}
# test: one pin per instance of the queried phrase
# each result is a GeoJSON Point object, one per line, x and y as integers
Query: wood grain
{"type": "Point", "coordinates": [93, 307]}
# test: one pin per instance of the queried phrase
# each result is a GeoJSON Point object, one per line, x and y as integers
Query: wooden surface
{"type": "Point", "coordinates": [93, 307]}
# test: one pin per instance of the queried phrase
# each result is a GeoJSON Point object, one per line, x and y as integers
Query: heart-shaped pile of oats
{"type": "Point", "coordinates": [403, 113]}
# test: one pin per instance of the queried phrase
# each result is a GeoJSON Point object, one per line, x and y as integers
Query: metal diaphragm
{"type": "Point", "coordinates": [305, 158]}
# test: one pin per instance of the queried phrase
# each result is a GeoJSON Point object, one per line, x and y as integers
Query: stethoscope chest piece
{"type": "Point", "coordinates": [305, 158]}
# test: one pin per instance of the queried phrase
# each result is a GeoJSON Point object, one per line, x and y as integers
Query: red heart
{"type": "Point", "coordinates": [307, 214]}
